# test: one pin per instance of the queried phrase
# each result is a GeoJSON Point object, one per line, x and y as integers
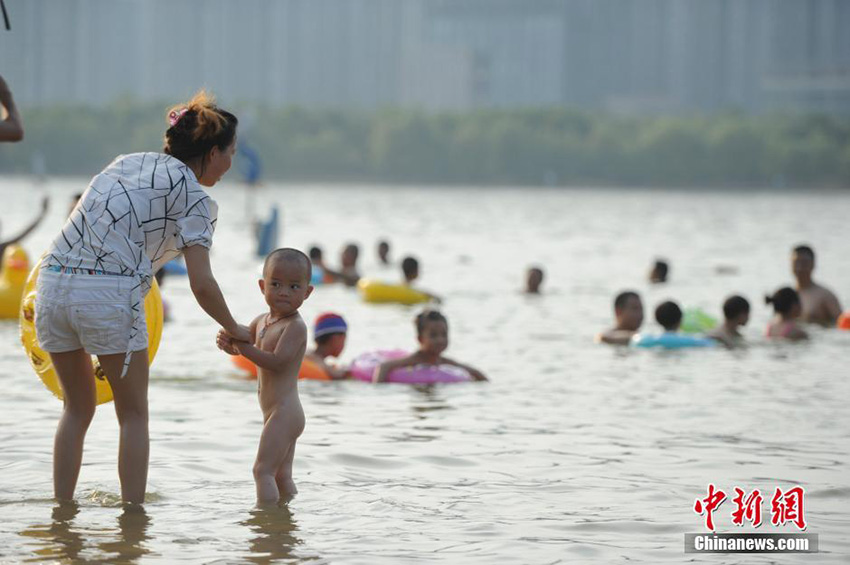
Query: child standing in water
{"type": "Point", "coordinates": [279, 339]}
{"type": "Point", "coordinates": [787, 306]}
{"type": "Point", "coordinates": [432, 330]}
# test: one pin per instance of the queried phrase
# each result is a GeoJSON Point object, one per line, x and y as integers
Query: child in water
{"type": "Point", "coordinates": [278, 346]}
{"type": "Point", "coordinates": [736, 311]}
{"type": "Point", "coordinates": [410, 272]}
{"type": "Point", "coordinates": [329, 332]}
{"type": "Point", "coordinates": [432, 330]}
{"type": "Point", "coordinates": [787, 306]}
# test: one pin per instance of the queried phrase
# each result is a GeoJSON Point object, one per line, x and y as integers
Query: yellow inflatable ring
{"type": "Point", "coordinates": [40, 360]}
{"type": "Point", "coordinates": [378, 292]}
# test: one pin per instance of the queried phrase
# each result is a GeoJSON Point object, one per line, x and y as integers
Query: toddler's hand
{"type": "Point", "coordinates": [225, 343]}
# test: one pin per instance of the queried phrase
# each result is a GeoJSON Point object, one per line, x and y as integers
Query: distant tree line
{"type": "Point", "coordinates": [509, 147]}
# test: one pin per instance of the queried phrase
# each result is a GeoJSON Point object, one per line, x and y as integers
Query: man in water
{"type": "Point", "coordinates": [820, 305]}
{"type": "Point", "coordinates": [628, 312]}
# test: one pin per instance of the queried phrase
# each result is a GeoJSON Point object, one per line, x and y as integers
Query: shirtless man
{"type": "Point", "coordinates": [820, 305]}
{"type": "Point", "coordinates": [628, 311]}
{"type": "Point", "coordinates": [279, 343]}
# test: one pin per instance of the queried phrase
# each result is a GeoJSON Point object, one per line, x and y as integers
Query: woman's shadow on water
{"type": "Point", "coordinates": [275, 529]}
{"type": "Point", "coordinates": [61, 541]}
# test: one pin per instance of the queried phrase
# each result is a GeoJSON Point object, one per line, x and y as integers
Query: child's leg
{"type": "Point", "coordinates": [283, 478]}
{"type": "Point", "coordinates": [76, 375]}
{"type": "Point", "coordinates": [270, 456]}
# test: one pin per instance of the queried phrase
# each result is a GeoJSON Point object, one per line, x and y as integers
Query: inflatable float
{"type": "Point", "coordinates": [40, 360]}
{"type": "Point", "coordinates": [696, 321]}
{"type": "Point", "coordinates": [670, 340]}
{"type": "Point", "coordinates": [363, 368]}
{"type": "Point", "coordinates": [309, 370]}
{"type": "Point", "coordinates": [844, 321]}
{"type": "Point", "coordinates": [377, 292]}
{"type": "Point", "coordinates": [13, 277]}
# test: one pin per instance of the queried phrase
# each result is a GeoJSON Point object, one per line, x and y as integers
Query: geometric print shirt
{"type": "Point", "coordinates": [135, 216]}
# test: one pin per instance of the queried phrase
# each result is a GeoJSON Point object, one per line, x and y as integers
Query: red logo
{"type": "Point", "coordinates": [788, 507]}
{"type": "Point", "coordinates": [785, 507]}
{"type": "Point", "coordinates": [709, 504]}
{"type": "Point", "coordinates": [748, 508]}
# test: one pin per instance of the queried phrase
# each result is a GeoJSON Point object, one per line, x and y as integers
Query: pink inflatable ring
{"type": "Point", "coordinates": [363, 368]}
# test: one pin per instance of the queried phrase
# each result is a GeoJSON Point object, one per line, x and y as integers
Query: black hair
{"type": "Point", "coordinates": [429, 316]}
{"type": "Point", "coordinates": [289, 254]}
{"type": "Point", "coordinates": [354, 249]}
{"type": "Point", "coordinates": [384, 243]}
{"type": "Point", "coordinates": [197, 127]}
{"type": "Point", "coordinates": [315, 253]}
{"type": "Point", "coordinates": [669, 315]}
{"type": "Point", "coordinates": [805, 250]}
{"type": "Point", "coordinates": [409, 266]}
{"type": "Point", "coordinates": [783, 300]}
{"type": "Point", "coordinates": [660, 269]}
{"type": "Point", "coordinates": [536, 270]}
{"type": "Point", "coordinates": [734, 306]}
{"type": "Point", "coordinates": [623, 299]}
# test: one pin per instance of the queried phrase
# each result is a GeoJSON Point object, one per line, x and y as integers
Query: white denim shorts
{"type": "Point", "coordinates": [83, 311]}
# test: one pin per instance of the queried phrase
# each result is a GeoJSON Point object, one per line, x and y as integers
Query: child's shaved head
{"type": "Point", "coordinates": [289, 255]}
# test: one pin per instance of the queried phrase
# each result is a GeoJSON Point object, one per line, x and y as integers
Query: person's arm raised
{"type": "Point", "coordinates": [208, 294]}
{"type": "Point", "coordinates": [29, 229]}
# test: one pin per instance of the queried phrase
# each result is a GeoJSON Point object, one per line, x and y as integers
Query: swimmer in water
{"type": "Point", "coordinates": [329, 331]}
{"type": "Point", "coordinates": [410, 272]}
{"type": "Point", "coordinates": [736, 311]}
{"type": "Point", "coordinates": [628, 312]}
{"type": "Point", "coordinates": [533, 280]}
{"type": "Point", "coordinates": [432, 330]}
{"type": "Point", "coordinates": [787, 307]}
{"type": "Point", "coordinates": [819, 304]}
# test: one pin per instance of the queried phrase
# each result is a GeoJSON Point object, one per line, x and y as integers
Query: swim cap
{"type": "Point", "coordinates": [329, 323]}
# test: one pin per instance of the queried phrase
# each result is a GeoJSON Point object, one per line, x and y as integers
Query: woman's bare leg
{"type": "Point", "coordinates": [76, 376]}
{"type": "Point", "coordinates": [131, 406]}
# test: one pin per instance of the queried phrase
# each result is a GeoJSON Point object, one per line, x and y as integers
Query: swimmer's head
{"type": "Point", "coordinates": [350, 254]}
{"type": "Point", "coordinates": [286, 280]}
{"type": "Point", "coordinates": [432, 330]}
{"type": "Point", "coordinates": [786, 302]}
{"type": "Point", "coordinates": [533, 280]}
{"type": "Point", "coordinates": [628, 311]}
{"type": "Point", "coordinates": [803, 261]}
{"type": "Point", "coordinates": [315, 254]}
{"type": "Point", "coordinates": [736, 309]}
{"type": "Point", "coordinates": [410, 268]}
{"type": "Point", "coordinates": [330, 332]}
{"type": "Point", "coordinates": [669, 315]}
{"type": "Point", "coordinates": [384, 251]}
{"type": "Point", "coordinates": [203, 136]}
{"type": "Point", "coordinates": [659, 271]}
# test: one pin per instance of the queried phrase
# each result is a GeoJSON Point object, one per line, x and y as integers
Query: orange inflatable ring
{"type": "Point", "coordinates": [309, 370]}
{"type": "Point", "coordinates": [844, 321]}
